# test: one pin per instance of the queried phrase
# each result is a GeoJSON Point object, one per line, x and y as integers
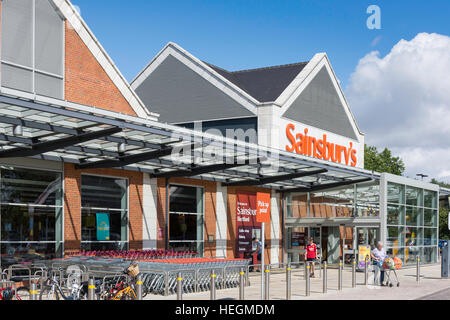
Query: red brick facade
{"type": "Point", "coordinates": [86, 81]}
{"type": "Point", "coordinates": [209, 205]}
{"type": "Point", "coordinates": [72, 204]}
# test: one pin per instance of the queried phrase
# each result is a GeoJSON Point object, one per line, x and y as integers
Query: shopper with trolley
{"type": "Point", "coordinates": [378, 255]}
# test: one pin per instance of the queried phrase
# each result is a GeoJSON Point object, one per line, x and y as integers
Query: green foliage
{"type": "Point", "coordinates": [444, 233]}
{"type": "Point", "coordinates": [442, 184]}
{"type": "Point", "coordinates": [382, 161]}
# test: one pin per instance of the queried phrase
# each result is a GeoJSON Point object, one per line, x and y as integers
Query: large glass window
{"type": "Point", "coordinates": [360, 200]}
{"type": "Point", "coordinates": [104, 213]}
{"type": "Point", "coordinates": [412, 221]}
{"type": "Point", "coordinates": [32, 47]}
{"type": "Point", "coordinates": [30, 215]}
{"type": "Point", "coordinates": [186, 218]}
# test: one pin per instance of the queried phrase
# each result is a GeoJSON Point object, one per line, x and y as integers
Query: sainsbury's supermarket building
{"type": "Point", "coordinates": [175, 159]}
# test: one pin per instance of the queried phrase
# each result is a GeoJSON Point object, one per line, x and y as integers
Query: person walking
{"type": "Point", "coordinates": [258, 249]}
{"type": "Point", "coordinates": [378, 255]}
{"type": "Point", "coordinates": [311, 255]}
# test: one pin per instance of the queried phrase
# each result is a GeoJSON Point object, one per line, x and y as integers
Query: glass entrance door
{"type": "Point", "coordinates": [333, 245]}
{"type": "Point", "coordinates": [367, 236]}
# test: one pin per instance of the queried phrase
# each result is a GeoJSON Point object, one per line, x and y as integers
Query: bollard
{"type": "Point", "coordinates": [139, 285]}
{"type": "Point", "coordinates": [307, 280]}
{"type": "Point", "coordinates": [241, 284]}
{"type": "Point", "coordinates": [33, 291]}
{"type": "Point", "coordinates": [213, 285]}
{"type": "Point", "coordinates": [267, 283]}
{"type": "Point", "coordinates": [366, 271]}
{"type": "Point", "coordinates": [418, 269]}
{"type": "Point", "coordinates": [340, 276]}
{"type": "Point", "coordinates": [325, 277]}
{"type": "Point", "coordinates": [91, 289]}
{"type": "Point", "coordinates": [353, 273]}
{"type": "Point", "coordinates": [288, 281]}
{"type": "Point", "coordinates": [179, 286]}
{"type": "Point", "coordinates": [43, 278]}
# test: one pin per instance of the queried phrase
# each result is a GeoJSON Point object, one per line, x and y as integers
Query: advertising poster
{"type": "Point", "coordinates": [297, 239]}
{"type": "Point", "coordinates": [102, 226]}
{"type": "Point", "coordinates": [263, 207]}
{"type": "Point", "coordinates": [246, 225]}
{"type": "Point", "coordinates": [363, 252]}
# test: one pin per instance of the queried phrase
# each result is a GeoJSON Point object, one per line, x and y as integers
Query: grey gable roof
{"type": "Point", "coordinates": [263, 84]}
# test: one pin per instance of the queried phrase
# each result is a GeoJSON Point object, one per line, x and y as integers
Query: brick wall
{"type": "Point", "coordinates": [85, 80]}
{"type": "Point", "coordinates": [210, 211]}
{"type": "Point", "coordinates": [72, 205]}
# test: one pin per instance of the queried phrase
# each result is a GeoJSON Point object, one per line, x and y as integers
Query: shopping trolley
{"type": "Point", "coordinates": [390, 267]}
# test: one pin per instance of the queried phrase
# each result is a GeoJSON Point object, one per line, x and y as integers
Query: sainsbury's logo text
{"type": "Point", "coordinates": [306, 145]}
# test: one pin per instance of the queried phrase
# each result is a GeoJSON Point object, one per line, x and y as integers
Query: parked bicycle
{"type": "Point", "coordinates": [9, 294]}
{"type": "Point", "coordinates": [124, 288]}
{"type": "Point", "coordinates": [77, 290]}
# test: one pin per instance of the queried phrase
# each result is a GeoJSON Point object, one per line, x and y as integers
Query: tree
{"type": "Point", "coordinates": [444, 210]}
{"type": "Point", "coordinates": [382, 161]}
{"type": "Point", "coordinates": [444, 233]}
{"type": "Point", "coordinates": [440, 183]}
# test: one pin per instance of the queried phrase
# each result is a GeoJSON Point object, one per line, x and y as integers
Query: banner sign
{"type": "Point", "coordinates": [246, 225]}
{"type": "Point", "coordinates": [298, 239]}
{"type": "Point", "coordinates": [102, 226]}
{"type": "Point", "coordinates": [263, 207]}
{"type": "Point", "coordinates": [363, 252]}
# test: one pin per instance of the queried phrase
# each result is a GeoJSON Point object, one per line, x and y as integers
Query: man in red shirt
{"type": "Point", "coordinates": [311, 255]}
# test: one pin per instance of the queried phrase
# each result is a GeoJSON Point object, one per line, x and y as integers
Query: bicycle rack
{"type": "Point", "coordinates": [18, 267]}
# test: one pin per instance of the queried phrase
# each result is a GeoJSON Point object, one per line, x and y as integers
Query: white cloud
{"type": "Point", "coordinates": [376, 41]}
{"type": "Point", "coordinates": [402, 101]}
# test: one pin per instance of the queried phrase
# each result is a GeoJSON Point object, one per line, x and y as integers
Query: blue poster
{"type": "Point", "coordinates": [102, 226]}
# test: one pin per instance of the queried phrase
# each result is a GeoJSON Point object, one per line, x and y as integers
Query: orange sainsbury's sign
{"type": "Point", "coordinates": [302, 143]}
{"type": "Point", "coordinates": [263, 207]}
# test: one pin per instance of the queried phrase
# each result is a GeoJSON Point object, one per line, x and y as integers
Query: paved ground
{"type": "Point", "coordinates": [430, 287]}
{"type": "Point", "coordinates": [440, 295]}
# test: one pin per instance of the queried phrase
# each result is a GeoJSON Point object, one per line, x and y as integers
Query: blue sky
{"type": "Point", "coordinates": [242, 34]}
{"type": "Point", "coordinates": [400, 101]}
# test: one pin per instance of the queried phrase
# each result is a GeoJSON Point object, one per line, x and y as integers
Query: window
{"type": "Point", "coordinates": [186, 218]}
{"type": "Point", "coordinates": [104, 213]}
{"type": "Point", "coordinates": [32, 47]}
{"type": "Point", "coordinates": [30, 215]}
{"type": "Point", "coordinates": [361, 200]}
{"type": "Point", "coordinates": [412, 221]}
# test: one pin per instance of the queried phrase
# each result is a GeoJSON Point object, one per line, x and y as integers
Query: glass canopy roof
{"type": "Point", "coordinates": [89, 137]}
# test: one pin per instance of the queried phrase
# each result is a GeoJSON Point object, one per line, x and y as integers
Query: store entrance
{"type": "Point", "coordinates": [334, 243]}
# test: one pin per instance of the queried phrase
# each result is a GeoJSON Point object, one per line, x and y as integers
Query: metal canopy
{"type": "Point", "coordinates": [58, 126]}
{"type": "Point", "coordinates": [43, 147]}
{"type": "Point", "coordinates": [285, 177]}
{"type": "Point", "coordinates": [123, 161]}
{"type": "Point", "coordinates": [326, 186]}
{"type": "Point", "coordinates": [198, 170]}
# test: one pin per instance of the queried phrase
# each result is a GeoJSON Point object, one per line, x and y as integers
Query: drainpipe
{"type": "Point", "coordinates": [166, 233]}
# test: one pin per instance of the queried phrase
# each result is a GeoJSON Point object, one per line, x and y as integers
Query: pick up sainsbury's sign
{"type": "Point", "coordinates": [306, 144]}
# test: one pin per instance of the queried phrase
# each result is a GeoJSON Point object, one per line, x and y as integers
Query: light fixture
{"type": "Point", "coordinates": [422, 175]}
{"type": "Point", "coordinates": [121, 148]}
{"type": "Point", "coordinates": [18, 131]}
